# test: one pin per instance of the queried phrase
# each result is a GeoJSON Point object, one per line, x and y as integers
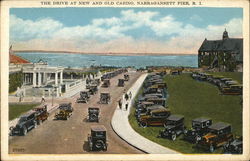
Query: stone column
{"type": "Point", "coordinates": [56, 80]}
{"type": "Point", "coordinates": [34, 79]}
{"type": "Point", "coordinates": [45, 78]}
{"type": "Point", "coordinates": [61, 77]}
{"type": "Point", "coordinates": [39, 79]}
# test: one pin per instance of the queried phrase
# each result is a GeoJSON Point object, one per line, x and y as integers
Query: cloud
{"type": "Point", "coordinates": [114, 34]}
{"type": "Point", "coordinates": [195, 18]}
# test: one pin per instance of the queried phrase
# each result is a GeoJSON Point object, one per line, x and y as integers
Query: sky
{"type": "Point", "coordinates": [121, 30]}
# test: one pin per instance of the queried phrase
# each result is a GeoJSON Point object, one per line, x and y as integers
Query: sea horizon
{"type": "Point", "coordinates": [86, 60]}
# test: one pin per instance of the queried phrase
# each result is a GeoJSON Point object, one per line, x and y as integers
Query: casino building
{"type": "Point", "coordinates": [221, 55]}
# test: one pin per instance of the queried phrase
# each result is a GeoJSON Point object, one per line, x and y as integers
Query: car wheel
{"type": "Point", "coordinates": [99, 144]}
{"type": "Point", "coordinates": [197, 139]}
{"type": "Point", "coordinates": [173, 137]}
{"type": "Point", "coordinates": [143, 124]}
{"type": "Point", "coordinates": [24, 131]}
{"type": "Point", "coordinates": [211, 148]}
{"type": "Point", "coordinates": [35, 125]}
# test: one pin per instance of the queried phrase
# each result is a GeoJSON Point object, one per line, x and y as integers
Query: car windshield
{"type": "Point", "coordinates": [170, 122]}
{"type": "Point", "coordinates": [214, 131]}
{"type": "Point", "coordinates": [22, 119]}
{"type": "Point", "coordinates": [196, 124]}
{"type": "Point", "coordinates": [100, 134]}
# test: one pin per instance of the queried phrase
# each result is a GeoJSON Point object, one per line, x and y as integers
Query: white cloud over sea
{"type": "Point", "coordinates": [116, 34]}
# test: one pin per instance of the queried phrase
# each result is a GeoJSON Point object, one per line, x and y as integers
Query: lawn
{"type": "Point", "coordinates": [195, 99]}
{"type": "Point", "coordinates": [15, 110]}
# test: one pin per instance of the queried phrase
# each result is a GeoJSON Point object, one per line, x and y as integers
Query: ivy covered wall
{"type": "Point", "coordinates": [15, 80]}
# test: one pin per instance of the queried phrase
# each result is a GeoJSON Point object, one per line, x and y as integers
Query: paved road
{"type": "Point", "coordinates": [70, 137]}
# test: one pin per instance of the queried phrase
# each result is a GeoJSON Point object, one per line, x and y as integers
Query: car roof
{"type": "Point", "coordinates": [219, 126]}
{"type": "Point", "coordinates": [93, 108]}
{"type": "Point", "coordinates": [28, 113]}
{"type": "Point", "coordinates": [175, 117]}
{"type": "Point", "coordinates": [155, 106]}
{"type": "Point", "coordinates": [201, 119]}
{"type": "Point", "coordinates": [98, 128]}
{"type": "Point", "coordinates": [64, 104]}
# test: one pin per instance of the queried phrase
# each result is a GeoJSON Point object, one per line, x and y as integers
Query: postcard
{"type": "Point", "coordinates": [125, 80]}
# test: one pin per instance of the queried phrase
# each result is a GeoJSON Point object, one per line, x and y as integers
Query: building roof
{"type": "Point", "coordinates": [14, 59]}
{"type": "Point", "coordinates": [230, 45]}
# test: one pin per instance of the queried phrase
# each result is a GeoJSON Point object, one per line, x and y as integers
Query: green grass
{"type": "Point", "coordinates": [15, 110]}
{"type": "Point", "coordinates": [195, 99]}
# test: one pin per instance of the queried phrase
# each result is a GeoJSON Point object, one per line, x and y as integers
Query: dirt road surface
{"type": "Point", "coordinates": [70, 137]}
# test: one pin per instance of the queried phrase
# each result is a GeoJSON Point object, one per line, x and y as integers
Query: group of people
{"type": "Point", "coordinates": [127, 97]}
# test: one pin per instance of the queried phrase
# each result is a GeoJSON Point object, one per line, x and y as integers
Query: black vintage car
{"type": "Point", "coordinates": [199, 129]}
{"type": "Point", "coordinates": [93, 89]}
{"type": "Point", "coordinates": [25, 123]}
{"type": "Point", "coordinates": [105, 98]}
{"type": "Point", "coordinates": [121, 82]}
{"type": "Point", "coordinates": [174, 127]}
{"type": "Point", "coordinates": [234, 147]}
{"type": "Point", "coordinates": [93, 114]}
{"type": "Point", "coordinates": [97, 140]}
{"type": "Point", "coordinates": [84, 97]}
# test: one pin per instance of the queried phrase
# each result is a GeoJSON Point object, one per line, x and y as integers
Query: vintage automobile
{"type": "Point", "coordinates": [126, 77]}
{"type": "Point", "coordinates": [121, 82]}
{"type": "Point", "coordinates": [24, 124]}
{"type": "Point", "coordinates": [84, 97]}
{"type": "Point", "coordinates": [106, 83]}
{"type": "Point", "coordinates": [97, 140]}
{"type": "Point", "coordinates": [234, 147]}
{"type": "Point", "coordinates": [145, 110]}
{"type": "Point", "coordinates": [156, 117]}
{"type": "Point", "coordinates": [105, 98]}
{"type": "Point", "coordinates": [65, 111]}
{"type": "Point", "coordinates": [232, 90]}
{"type": "Point", "coordinates": [219, 135]}
{"type": "Point", "coordinates": [93, 114]}
{"type": "Point", "coordinates": [174, 127]}
{"type": "Point", "coordinates": [41, 114]}
{"type": "Point", "coordinates": [199, 129]}
{"type": "Point", "coordinates": [158, 101]}
{"type": "Point", "coordinates": [93, 89]}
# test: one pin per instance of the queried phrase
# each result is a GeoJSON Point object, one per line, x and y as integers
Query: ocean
{"type": "Point", "coordinates": [86, 60]}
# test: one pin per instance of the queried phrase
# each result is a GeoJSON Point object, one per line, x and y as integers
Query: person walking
{"type": "Point", "coordinates": [43, 99]}
{"type": "Point", "coordinates": [130, 95]}
{"type": "Point", "coordinates": [120, 104]}
{"type": "Point", "coordinates": [126, 106]}
{"type": "Point", "coordinates": [126, 97]}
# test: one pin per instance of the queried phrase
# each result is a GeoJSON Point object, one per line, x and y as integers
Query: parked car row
{"type": "Point", "coordinates": [227, 86]}
{"type": "Point", "coordinates": [204, 134]}
{"type": "Point", "coordinates": [112, 74]}
{"type": "Point", "coordinates": [29, 121]}
{"type": "Point", "coordinates": [151, 105]}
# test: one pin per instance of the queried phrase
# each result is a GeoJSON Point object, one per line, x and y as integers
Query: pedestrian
{"type": "Point", "coordinates": [126, 96]}
{"type": "Point", "coordinates": [43, 99]}
{"type": "Point", "coordinates": [126, 106]}
{"type": "Point", "coordinates": [120, 104]}
{"type": "Point", "coordinates": [130, 95]}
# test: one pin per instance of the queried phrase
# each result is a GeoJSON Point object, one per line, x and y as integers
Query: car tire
{"type": "Point", "coordinates": [35, 125]}
{"type": "Point", "coordinates": [197, 139]}
{"type": "Point", "coordinates": [143, 124]}
{"type": "Point", "coordinates": [99, 144]}
{"type": "Point", "coordinates": [24, 131]}
{"type": "Point", "coordinates": [211, 148]}
{"type": "Point", "coordinates": [173, 137]}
